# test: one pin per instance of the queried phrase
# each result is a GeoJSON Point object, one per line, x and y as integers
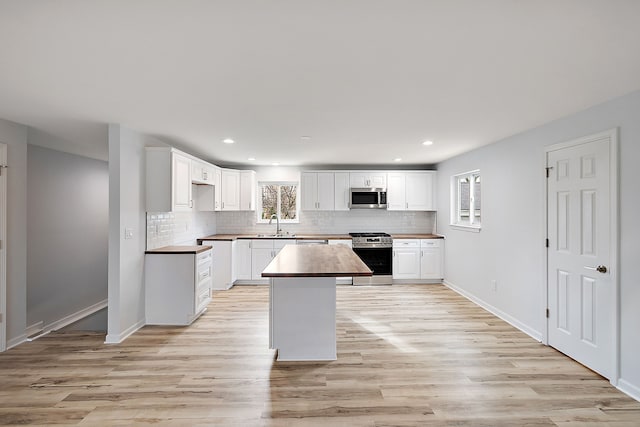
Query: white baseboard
{"type": "Point", "coordinates": [497, 312]}
{"type": "Point", "coordinates": [629, 389]}
{"type": "Point", "coordinates": [118, 338]}
{"type": "Point", "coordinates": [36, 328]}
{"type": "Point", "coordinates": [16, 341]}
{"type": "Point", "coordinates": [74, 317]}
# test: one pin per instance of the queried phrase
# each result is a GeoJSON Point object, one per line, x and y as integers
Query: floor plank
{"type": "Point", "coordinates": [408, 355]}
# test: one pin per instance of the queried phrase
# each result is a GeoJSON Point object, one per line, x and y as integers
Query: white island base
{"type": "Point", "coordinates": [302, 322]}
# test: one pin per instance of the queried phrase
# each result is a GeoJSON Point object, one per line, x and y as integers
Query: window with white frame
{"type": "Point", "coordinates": [278, 198]}
{"type": "Point", "coordinates": [466, 206]}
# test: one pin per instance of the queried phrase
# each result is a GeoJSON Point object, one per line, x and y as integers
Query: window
{"type": "Point", "coordinates": [466, 199]}
{"type": "Point", "coordinates": [278, 198]}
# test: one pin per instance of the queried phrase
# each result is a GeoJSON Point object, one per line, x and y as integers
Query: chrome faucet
{"type": "Point", "coordinates": [278, 230]}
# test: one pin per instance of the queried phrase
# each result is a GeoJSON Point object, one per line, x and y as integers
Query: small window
{"type": "Point", "coordinates": [278, 198]}
{"type": "Point", "coordinates": [466, 200]}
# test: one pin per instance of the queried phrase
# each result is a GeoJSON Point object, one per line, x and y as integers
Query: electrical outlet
{"type": "Point", "coordinates": [494, 285]}
{"type": "Point", "coordinates": [128, 233]}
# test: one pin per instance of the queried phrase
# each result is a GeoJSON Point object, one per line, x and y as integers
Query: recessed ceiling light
{"type": "Point", "coordinates": [228, 141]}
{"type": "Point", "coordinates": [397, 159]}
{"type": "Point", "coordinates": [305, 138]}
{"type": "Point", "coordinates": [251, 159]}
{"type": "Point", "coordinates": [427, 143]}
{"type": "Point", "coordinates": [275, 164]}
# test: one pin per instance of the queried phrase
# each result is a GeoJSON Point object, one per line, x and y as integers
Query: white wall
{"type": "Point", "coordinates": [15, 136]}
{"type": "Point", "coordinates": [126, 210]}
{"type": "Point", "coordinates": [67, 235]}
{"type": "Point", "coordinates": [509, 247]}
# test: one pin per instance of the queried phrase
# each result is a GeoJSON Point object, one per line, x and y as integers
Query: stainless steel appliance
{"type": "Point", "coordinates": [368, 198]}
{"type": "Point", "coordinates": [375, 250]}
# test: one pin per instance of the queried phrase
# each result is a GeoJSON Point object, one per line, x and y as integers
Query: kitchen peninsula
{"type": "Point", "coordinates": [302, 299]}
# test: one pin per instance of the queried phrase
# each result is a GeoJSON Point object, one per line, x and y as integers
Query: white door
{"type": "Point", "coordinates": [181, 182]}
{"type": "Point", "coordinates": [581, 293]}
{"type": "Point", "coordinates": [406, 263]}
{"type": "Point", "coordinates": [230, 190]}
{"type": "Point", "coordinates": [420, 191]}
{"type": "Point", "coordinates": [326, 199]}
{"type": "Point", "coordinates": [3, 247]}
{"type": "Point", "coordinates": [309, 191]}
{"type": "Point", "coordinates": [396, 192]}
{"type": "Point", "coordinates": [341, 188]}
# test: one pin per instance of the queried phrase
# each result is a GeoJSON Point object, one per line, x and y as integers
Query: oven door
{"type": "Point", "coordinates": [379, 260]}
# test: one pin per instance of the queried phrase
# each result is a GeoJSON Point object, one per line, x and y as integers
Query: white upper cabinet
{"type": "Point", "coordinates": [396, 191]}
{"type": "Point", "coordinates": [168, 180]}
{"type": "Point", "coordinates": [230, 190]}
{"type": "Point", "coordinates": [413, 191]}
{"type": "Point", "coordinates": [201, 172]}
{"type": "Point", "coordinates": [341, 191]}
{"type": "Point", "coordinates": [368, 179]}
{"type": "Point", "coordinates": [247, 190]}
{"type": "Point", "coordinates": [217, 184]}
{"type": "Point", "coordinates": [318, 191]}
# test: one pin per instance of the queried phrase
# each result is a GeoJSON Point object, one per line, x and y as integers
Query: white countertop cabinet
{"type": "Point", "coordinates": [177, 287]}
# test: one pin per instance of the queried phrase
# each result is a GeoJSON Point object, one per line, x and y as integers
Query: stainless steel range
{"type": "Point", "coordinates": [375, 250]}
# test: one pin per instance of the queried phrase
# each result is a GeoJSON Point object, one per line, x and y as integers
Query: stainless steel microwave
{"type": "Point", "coordinates": [368, 198]}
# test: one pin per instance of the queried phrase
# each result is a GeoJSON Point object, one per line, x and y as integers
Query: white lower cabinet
{"type": "Point", "coordinates": [223, 267]}
{"type": "Point", "coordinates": [418, 259]}
{"type": "Point", "coordinates": [253, 256]}
{"type": "Point", "coordinates": [406, 259]}
{"type": "Point", "coordinates": [177, 287]}
{"type": "Point", "coordinates": [242, 260]}
{"type": "Point", "coordinates": [431, 259]}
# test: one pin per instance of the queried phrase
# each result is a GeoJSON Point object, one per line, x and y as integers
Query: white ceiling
{"type": "Point", "coordinates": [368, 80]}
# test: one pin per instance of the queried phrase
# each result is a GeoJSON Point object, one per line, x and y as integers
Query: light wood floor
{"type": "Point", "coordinates": [407, 356]}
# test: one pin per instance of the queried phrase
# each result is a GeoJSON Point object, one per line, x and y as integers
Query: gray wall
{"type": "Point", "coordinates": [67, 236]}
{"type": "Point", "coordinates": [15, 136]}
{"type": "Point", "coordinates": [509, 247]}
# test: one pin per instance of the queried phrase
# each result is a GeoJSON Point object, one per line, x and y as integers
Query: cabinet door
{"type": "Point", "coordinates": [358, 179]}
{"type": "Point", "coordinates": [181, 182]}
{"type": "Point", "coordinates": [396, 200]}
{"type": "Point", "coordinates": [217, 184]}
{"type": "Point", "coordinates": [242, 260]}
{"type": "Point", "coordinates": [406, 263]}
{"type": "Point", "coordinates": [378, 180]}
{"type": "Point", "coordinates": [247, 191]}
{"type": "Point", "coordinates": [309, 191]}
{"type": "Point", "coordinates": [431, 259]}
{"type": "Point", "coordinates": [420, 188]}
{"type": "Point", "coordinates": [197, 171]}
{"type": "Point", "coordinates": [230, 190]}
{"type": "Point", "coordinates": [326, 190]}
{"type": "Point", "coordinates": [260, 258]}
{"type": "Point", "coordinates": [341, 191]}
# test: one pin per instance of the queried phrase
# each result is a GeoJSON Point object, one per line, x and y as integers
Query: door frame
{"type": "Point", "coordinates": [3, 248]}
{"type": "Point", "coordinates": [614, 232]}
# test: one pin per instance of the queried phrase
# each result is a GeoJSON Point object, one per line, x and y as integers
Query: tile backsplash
{"type": "Point", "coordinates": [332, 222]}
{"type": "Point", "coordinates": [178, 228]}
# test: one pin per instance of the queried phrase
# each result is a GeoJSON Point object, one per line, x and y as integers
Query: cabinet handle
{"type": "Point", "coordinates": [222, 205]}
{"type": "Point", "coordinates": [422, 253]}
{"type": "Point", "coordinates": [190, 203]}
{"type": "Point", "coordinates": [406, 205]}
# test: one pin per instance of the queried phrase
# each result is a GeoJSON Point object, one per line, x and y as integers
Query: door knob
{"type": "Point", "coordinates": [599, 269]}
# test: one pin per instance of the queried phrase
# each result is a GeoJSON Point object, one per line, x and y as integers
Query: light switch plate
{"type": "Point", "coordinates": [128, 233]}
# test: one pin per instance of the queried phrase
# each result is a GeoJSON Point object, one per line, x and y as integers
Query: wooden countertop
{"type": "Point", "coordinates": [417, 236]}
{"type": "Point", "coordinates": [316, 261]}
{"type": "Point", "coordinates": [179, 250]}
{"type": "Point", "coordinates": [231, 237]}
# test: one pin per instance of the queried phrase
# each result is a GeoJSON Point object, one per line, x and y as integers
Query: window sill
{"type": "Point", "coordinates": [469, 228]}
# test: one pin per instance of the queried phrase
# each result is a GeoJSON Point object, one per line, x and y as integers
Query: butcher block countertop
{"type": "Point", "coordinates": [231, 237]}
{"type": "Point", "coordinates": [417, 236]}
{"type": "Point", "coordinates": [179, 250]}
{"type": "Point", "coordinates": [316, 261]}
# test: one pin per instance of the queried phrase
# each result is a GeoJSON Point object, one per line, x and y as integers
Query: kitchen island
{"type": "Point", "coordinates": [302, 299]}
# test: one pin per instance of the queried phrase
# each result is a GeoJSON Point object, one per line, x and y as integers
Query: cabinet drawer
{"type": "Point", "coordinates": [203, 257]}
{"type": "Point", "coordinates": [204, 272]}
{"type": "Point", "coordinates": [202, 299]}
{"type": "Point", "coordinates": [430, 243]}
{"type": "Point", "coordinates": [262, 244]}
{"type": "Point", "coordinates": [406, 243]}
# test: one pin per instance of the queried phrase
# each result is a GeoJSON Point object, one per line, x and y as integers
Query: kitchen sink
{"type": "Point", "coordinates": [277, 236]}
